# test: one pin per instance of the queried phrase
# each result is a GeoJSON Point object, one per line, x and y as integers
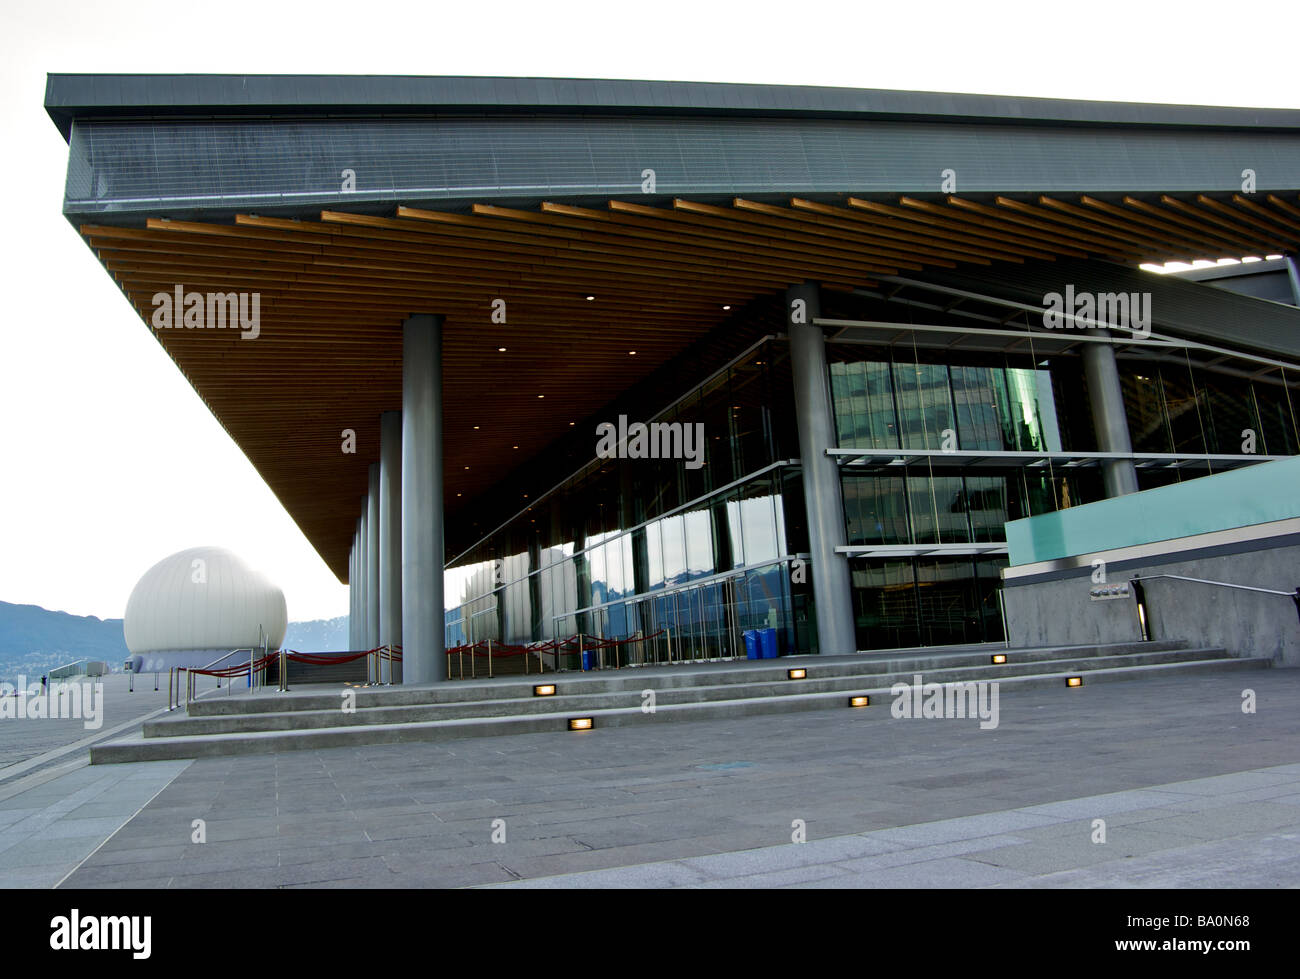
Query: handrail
{"type": "Point", "coordinates": [174, 680]}
{"type": "Point", "coordinates": [1224, 584]}
{"type": "Point", "coordinates": [242, 649]}
{"type": "Point", "coordinates": [77, 662]}
{"type": "Point", "coordinates": [1139, 594]}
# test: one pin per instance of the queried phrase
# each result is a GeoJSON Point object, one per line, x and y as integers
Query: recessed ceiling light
{"type": "Point", "coordinates": [571, 424]}
{"type": "Point", "coordinates": [467, 467]}
{"type": "Point", "coordinates": [476, 428]}
{"type": "Point", "coordinates": [590, 298]}
{"type": "Point", "coordinates": [632, 352]}
{"type": "Point", "coordinates": [541, 395]}
{"type": "Point", "coordinates": [726, 307]}
{"type": "Point", "coordinates": [514, 446]}
{"type": "Point", "coordinates": [501, 350]}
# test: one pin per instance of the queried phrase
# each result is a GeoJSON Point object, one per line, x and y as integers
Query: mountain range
{"type": "Point", "coordinates": [35, 640]}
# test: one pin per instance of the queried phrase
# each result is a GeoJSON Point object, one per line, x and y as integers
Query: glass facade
{"type": "Point", "coordinates": [629, 547]}
{"type": "Point", "coordinates": [898, 399]}
{"type": "Point", "coordinates": [644, 546]}
{"type": "Point", "coordinates": [1182, 408]}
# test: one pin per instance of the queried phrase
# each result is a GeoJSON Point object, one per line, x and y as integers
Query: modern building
{"type": "Point", "coordinates": [871, 328]}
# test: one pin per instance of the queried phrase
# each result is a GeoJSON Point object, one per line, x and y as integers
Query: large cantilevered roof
{"type": "Point", "coordinates": [222, 184]}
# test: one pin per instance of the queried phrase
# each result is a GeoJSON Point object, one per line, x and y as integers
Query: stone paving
{"type": "Point", "coordinates": [25, 739]}
{"type": "Point", "coordinates": [1239, 830]}
{"type": "Point", "coordinates": [872, 791]}
{"type": "Point", "coordinates": [47, 830]}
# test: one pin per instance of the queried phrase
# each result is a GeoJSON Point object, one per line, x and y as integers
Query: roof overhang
{"type": "Point", "coordinates": [337, 272]}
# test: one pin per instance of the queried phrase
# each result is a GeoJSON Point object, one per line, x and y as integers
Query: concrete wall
{"type": "Point", "coordinates": [1059, 610]}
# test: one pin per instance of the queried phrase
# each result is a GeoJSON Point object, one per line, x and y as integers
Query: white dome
{"type": "Point", "coordinates": [199, 604]}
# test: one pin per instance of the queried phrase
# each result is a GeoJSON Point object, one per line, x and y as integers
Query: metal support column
{"type": "Point", "coordinates": [390, 530]}
{"type": "Point", "coordinates": [360, 589]}
{"type": "Point", "coordinates": [352, 595]}
{"type": "Point", "coordinates": [423, 622]}
{"type": "Point", "coordinates": [1106, 399]}
{"type": "Point", "coordinates": [372, 558]}
{"type": "Point", "coordinates": [364, 596]}
{"type": "Point", "coordinates": [823, 495]}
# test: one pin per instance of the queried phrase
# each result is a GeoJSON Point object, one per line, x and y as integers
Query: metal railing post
{"type": "Point", "coordinates": [1002, 609]}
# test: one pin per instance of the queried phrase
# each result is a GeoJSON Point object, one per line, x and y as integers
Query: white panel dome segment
{"type": "Point", "coordinates": [197, 604]}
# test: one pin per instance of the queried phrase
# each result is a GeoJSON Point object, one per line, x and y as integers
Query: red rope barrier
{"type": "Point", "coordinates": [311, 659]}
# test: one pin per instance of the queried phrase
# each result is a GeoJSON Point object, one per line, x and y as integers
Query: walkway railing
{"type": "Point", "coordinates": [1139, 594]}
{"type": "Point", "coordinates": [618, 652]}
{"type": "Point", "coordinates": [175, 680]}
{"type": "Point", "coordinates": [186, 677]}
{"type": "Point", "coordinates": [601, 654]}
{"type": "Point", "coordinates": [68, 669]}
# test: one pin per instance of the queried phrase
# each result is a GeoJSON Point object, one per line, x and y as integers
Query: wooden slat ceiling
{"type": "Point", "coordinates": [334, 294]}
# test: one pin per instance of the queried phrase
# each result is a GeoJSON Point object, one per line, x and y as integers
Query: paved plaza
{"type": "Point", "coordinates": [1193, 792]}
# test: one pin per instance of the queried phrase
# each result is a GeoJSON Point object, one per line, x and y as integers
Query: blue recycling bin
{"type": "Point", "coordinates": [753, 648]}
{"type": "Point", "coordinates": [767, 643]}
{"type": "Point", "coordinates": [589, 659]}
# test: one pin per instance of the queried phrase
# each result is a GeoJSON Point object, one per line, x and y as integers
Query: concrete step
{"type": "Point", "coordinates": [661, 678]}
{"type": "Point", "coordinates": [139, 748]}
{"type": "Point", "coordinates": [581, 699]}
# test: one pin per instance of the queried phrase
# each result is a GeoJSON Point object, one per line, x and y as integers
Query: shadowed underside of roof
{"type": "Point", "coordinates": [334, 294]}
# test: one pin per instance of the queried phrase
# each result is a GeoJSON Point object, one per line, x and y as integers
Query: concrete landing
{"type": "Point", "coordinates": [329, 718]}
{"type": "Point", "coordinates": [932, 796]}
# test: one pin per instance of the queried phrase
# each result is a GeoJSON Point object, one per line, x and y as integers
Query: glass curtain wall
{"type": "Point", "coordinates": [903, 399]}
{"type": "Point", "coordinates": [644, 546]}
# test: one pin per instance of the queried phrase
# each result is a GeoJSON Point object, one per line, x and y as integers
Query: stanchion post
{"type": "Point", "coordinates": [489, 659]}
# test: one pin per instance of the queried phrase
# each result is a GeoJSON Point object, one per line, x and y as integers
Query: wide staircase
{"type": "Point", "coordinates": [329, 715]}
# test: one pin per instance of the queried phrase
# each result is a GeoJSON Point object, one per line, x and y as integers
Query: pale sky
{"type": "Point", "coordinates": [111, 461]}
